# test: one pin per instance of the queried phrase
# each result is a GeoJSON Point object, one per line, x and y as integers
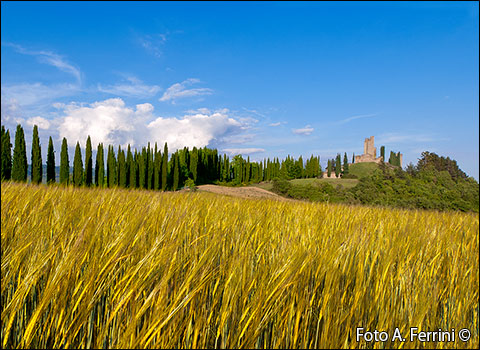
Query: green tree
{"type": "Point", "coordinates": [353, 158]}
{"type": "Point", "coordinates": [329, 168]}
{"type": "Point", "coordinates": [6, 155]}
{"type": "Point", "coordinates": [99, 166]}
{"type": "Point", "coordinates": [175, 171]}
{"type": "Point", "coordinates": [88, 162]}
{"type": "Point", "coordinates": [338, 165]}
{"type": "Point", "coordinates": [36, 158]}
{"type": "Point", "coordinates": [111, 167]}
{"type": "Point", "coordinates": [64, 163]}
{"type": "Point", "coordinates": [194, 164]}
{"type": "Point", "coordinates": [77, 166]}
{"type": "Point", "coordinates": [132, 169]}
{"type": "Point", "coordinates": [382, 152]}
{"type": "Point", "coordinates": [142, 168]}
{"type": "Point", "coordinates": [164, 167]}
{"type": "Point", "coordinates": [122, 171]}
{"type": "Point", "coordinates": [19, 166]}
{"type": "Point", "coordinates": [50, 162]}
{"type": "Point", "coordinates": [345, 164]}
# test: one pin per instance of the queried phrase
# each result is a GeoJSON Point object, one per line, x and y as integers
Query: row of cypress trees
{"type": "Point", "coordinates": [148, 169]}
{"type": "Point", "coordinates": [335, 165]}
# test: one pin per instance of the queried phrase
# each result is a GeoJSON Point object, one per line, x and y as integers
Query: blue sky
{"type": "Point", "coordinates": [261, 79]}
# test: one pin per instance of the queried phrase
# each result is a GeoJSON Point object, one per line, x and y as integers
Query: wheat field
{"type": "Point", "coordinates": [112, 268]}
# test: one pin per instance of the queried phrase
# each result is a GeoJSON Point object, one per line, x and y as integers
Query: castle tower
{"type": "Point", "coordinates": [369, 147]}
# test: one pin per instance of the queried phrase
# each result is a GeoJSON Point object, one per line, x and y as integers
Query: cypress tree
{"type": "Point", "coordinates": [6, 155]}
{"type": "Point", "coordinates": [175, 171]}
{"type": "Point", "coordinates": [50, 162]}
{"type": "Point", "coordinates": [329, 168]}
{"type": "Point", "coordinates": [77, 166]}
{"type": "Point", "coordinates": [382, 153]}
{"type": "Point", "coordinates": [111, 167]}
{"type": "Point", "coordinates": [132, 169]}
{"type": "Point", "coordinates": [88, 162]}
{"type": "Point", "coordinates": [156, 173]}
{"type": "Point", "coordinates": [164, 167]}
{"type": "Point", "coordinates": [338, 165]}
{"type": "Point", "coordinates": [345, 164]}
{"type": "Point", "coordinates": [64, 164]}
{"type": "Point", "coordinates": [194, 164]}
{"type": "Point", "coordinates": [122, 171]}
{"type": "Point", "coordinates": [19, 166]}
{"type": "Point", "coordinates": [353, 158]}
{"type": "Point", "coordinates": [127, 166]}
{"type": "Point", "coordinates": [99, 166]}
{"type": "Point", "coordinates": [141, 168]}
{"type": "Point", "coordinates": [36, 166]}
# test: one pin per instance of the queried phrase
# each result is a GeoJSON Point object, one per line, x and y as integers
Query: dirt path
{"type": "Point", "coordinates": [243, 192]}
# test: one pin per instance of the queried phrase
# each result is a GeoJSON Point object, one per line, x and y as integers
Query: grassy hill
{"type": "Point", "coordinates": [363, 169]}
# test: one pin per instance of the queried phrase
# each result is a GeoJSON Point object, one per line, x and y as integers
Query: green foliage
{"type": "Point", "coordinates": [64, 163]}
{"type": "Point", "coordinates": [99, 166]}
{"type": "Point", "coordinates": [88, 162]}
{"type": "Point", "coordinates": [432, 160]}
{"type": "Point", "coordinates": [19, 166]}
{"type": "Point", "coordinates": [122, 171]}
{"type": "Point", "coordinates": [6, 161]}
{"type": "Point", "coordinates": [190, 184]}
{"type": "Point", "coordinates": [50, 162]}
{"type": "Point", "coordinates": [164, 167]}
{"type": "Point", "coordinates": [77, 166]}
{"type": "Point", "coordinates": [345, 165]}
{"type": "Point", "coordinates": [131, 169]}
{"type": "Point", "coordinates": [111, 167]}
{"type": "Point", "coordinates": [175, 172]}
{"type": "Point", "coordinates": [37, 168]}
{"type": "Point", "coordinates": [281, 186]}
{"type": "Point", "coordinates": [338, 165]}
{"type": "Point", "coordinates": [382, 152]}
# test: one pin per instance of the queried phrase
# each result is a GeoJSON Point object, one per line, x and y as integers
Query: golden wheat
{"type": "Point", "coordinates": [92, 268]}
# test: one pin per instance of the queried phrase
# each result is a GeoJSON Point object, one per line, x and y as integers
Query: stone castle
{"type": "Point", "coordinates": [369, 155]}
{"type": "Point", "coordinates": [369, 152]}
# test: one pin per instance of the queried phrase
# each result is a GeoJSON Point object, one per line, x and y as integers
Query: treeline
{"type": "Point", "coordinates": [435, 182]}
{"type": "Point", "coordinates": [148, 168]}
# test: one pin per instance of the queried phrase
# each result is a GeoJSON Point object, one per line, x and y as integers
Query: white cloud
{"type": "Point", "coordinates": [49, 58]}
{"type": "Point", "coordinates": [307, 130]}
{"type": "Point", "coordinates": [234, 151]}
{"type": "Point", "coordinates": [112, 122]}
{"type": "Point", "coordinates": [134, 88]}
{"type": "Point", "coordinates": [42, 123]}
{"type": "Point", "coordinates": [179, 90]}
{"type": "Point", "coordinates": [192, 130]}
{"type": "Point", "coordinates": [107, 121]}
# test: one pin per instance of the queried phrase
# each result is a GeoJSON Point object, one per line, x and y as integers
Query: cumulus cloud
{"type": "Point", "coordinates": [179, 90]}
{"type": "Point", "coordinates": [235, 151]}
{"type": "Point", "coordinates": [192, 130]}
{"type": "Point", "coordinates": [134, 88]}
{"type": "Point", "coordinates": [307, 130]}
{"type": "Point", "coordinates": [112, 122]}
{"type": "Point", "coordinates": [42, 123]}
{"type": "Point", "coordinates": [107, 121]}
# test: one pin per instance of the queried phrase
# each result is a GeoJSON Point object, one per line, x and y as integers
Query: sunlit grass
{"type": "Point", "coordinates": [100, 268]}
